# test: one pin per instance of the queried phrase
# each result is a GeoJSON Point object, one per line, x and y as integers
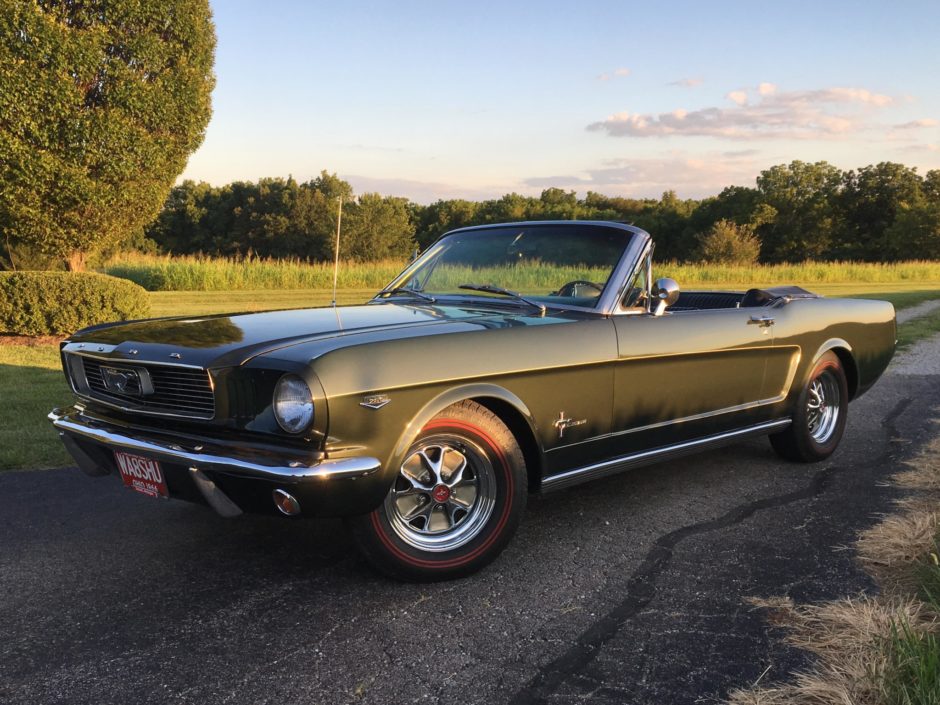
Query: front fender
{"type": "Point", "coordinates": [447, 398]}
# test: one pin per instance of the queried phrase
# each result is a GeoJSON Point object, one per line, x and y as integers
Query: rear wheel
{"type": "Point", "coordinates": [456, 501]}
{"type": "Point", "coordinates": [819, 419]}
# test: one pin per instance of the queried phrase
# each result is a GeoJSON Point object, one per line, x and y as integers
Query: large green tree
{"type": "Point", "coordinates": [798, 210]}
{"type": "Point", "coordinates": [872, 198]}
{"type": "Point", "coordinates": [101, 104]}
{"type": "Point", "coordinates": [376, 227]}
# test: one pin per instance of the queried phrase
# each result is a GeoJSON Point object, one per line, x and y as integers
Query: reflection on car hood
{"type": "Point", "coordinates": [227, 340]}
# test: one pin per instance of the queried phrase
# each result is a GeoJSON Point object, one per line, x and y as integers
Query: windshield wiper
{"type": "Point", "coordinates": [491, 289]}
{"type": "Point", "coordinates": [406, 290]}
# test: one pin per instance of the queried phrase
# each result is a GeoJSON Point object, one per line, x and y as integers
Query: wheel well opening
{"type": "Point", "coordinates": [850, 368]}
{"type": "Point", "coordinates": [520, 428]}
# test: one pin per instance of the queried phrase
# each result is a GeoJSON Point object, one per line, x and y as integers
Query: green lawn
{"type": "Point", "coordinates": [31, 381]}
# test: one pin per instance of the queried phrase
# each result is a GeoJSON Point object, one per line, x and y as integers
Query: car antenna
{"type": "Point", "coordinates": [339, 223]}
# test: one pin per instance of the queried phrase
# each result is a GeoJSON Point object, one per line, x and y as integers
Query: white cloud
{"type": "Point", "coordinates": [424, 191]}
{"type": "Point", "coordinates": [741, 153]}
{"type": "Point", "coordinates": [919, 149]}
{"type": "Point", "coordinates": [687, 82]}
{"type": "Point", "coordinates": [917, 124]}
{"type": "Point", "coordinates": [691, 176]}
{"type": "Point", "coordinates": [616, 73]}
{"type": "Point", "coordinates": [825, 113]}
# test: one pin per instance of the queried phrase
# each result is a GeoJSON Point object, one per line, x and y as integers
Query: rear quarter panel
{"type": "Point", "coordinates": [807, 328]}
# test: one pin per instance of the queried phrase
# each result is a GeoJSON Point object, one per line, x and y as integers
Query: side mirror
{"type": "Point", "coordinates": [665, 293]}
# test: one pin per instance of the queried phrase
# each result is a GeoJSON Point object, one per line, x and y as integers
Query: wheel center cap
{"type": "Point", "coordinates": [440, 493]}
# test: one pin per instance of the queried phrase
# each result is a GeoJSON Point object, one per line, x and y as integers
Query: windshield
{"type": "Point", "coordinates": [548, 264]}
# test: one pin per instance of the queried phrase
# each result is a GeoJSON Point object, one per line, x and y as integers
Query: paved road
{"type": "Point", "coordinates": [628, 590]}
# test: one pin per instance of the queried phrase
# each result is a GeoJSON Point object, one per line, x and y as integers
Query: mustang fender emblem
{"type": "Point", "coordinates": [375, 401]}
{"type": "Point", "coordinates": [561, 423]}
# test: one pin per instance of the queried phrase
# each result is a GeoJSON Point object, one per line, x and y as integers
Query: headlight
{"type": "Point", "coordinates": [293, 404]}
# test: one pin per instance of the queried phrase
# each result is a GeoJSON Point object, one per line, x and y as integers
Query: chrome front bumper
{"type": "Point", "coordinates": [73, 424]}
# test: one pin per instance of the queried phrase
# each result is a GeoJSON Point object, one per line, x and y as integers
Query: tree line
{"type": "Point", "coordinates": [794, 212]}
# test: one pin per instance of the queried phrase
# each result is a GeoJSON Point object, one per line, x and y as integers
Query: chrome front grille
{"type": "Point", "coordinates": [159, 389]}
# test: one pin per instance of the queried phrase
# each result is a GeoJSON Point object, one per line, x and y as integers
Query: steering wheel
{"type": "Point", "coordinates": [572, 288]}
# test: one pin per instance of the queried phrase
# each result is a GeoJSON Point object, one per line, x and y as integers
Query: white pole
{"type": "Point", "coordinates": [339, 222]}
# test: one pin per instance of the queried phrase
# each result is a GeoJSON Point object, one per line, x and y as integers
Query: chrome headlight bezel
{"type": "Point", "coordinates": [292, 404]}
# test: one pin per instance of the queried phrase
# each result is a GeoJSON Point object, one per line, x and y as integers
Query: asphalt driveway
{"type": "Point", "coordinates": [627, 590]}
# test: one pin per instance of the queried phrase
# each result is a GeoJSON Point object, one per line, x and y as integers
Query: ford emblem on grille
{"type": "Point", "coordinates": [127, 381]}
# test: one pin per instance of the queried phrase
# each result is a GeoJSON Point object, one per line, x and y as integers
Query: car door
{"type": "Point", "coordinates": [688, 374]}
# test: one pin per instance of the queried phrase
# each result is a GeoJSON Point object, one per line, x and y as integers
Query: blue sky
{"type": "Point", "coordinates": [472, 100]}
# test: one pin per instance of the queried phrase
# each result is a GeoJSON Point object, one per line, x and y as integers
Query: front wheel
{"type": "Point", "coordinates": [819, 419]}
{"type": "Point", "coordinates": [455, 503]}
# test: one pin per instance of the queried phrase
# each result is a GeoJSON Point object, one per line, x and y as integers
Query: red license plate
{"type": "Point", "coordinates": [142, 474]}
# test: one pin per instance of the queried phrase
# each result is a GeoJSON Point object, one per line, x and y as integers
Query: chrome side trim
{"type": "Point", "coordinates": [684, 419]}
{"type": "Point", "coordinates": [72, 422]}
{"type": "Point", "coordinates": [216, 498]}
{"type": "Point", "coordinates": [647, 457]}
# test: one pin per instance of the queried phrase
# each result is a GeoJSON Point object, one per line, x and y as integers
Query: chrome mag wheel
{"type": "Point", "coordinates": [444, 494]}
{"type": "Point", "coordinates": [822, 407]}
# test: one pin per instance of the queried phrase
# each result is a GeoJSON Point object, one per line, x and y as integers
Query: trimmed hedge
{"type": "Point", "coordinates": [58, 303]}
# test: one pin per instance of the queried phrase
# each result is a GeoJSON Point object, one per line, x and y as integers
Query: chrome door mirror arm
{"type": "Point", "coordinates": [666, 293]}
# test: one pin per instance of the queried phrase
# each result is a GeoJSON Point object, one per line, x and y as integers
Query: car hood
{"type": "Point", "coordinates": [229, 340]}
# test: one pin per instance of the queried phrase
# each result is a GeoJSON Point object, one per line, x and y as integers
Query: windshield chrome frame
{"type": "Point", "coordinates": [645, 261]}
{"type": "Point", "coordinates": [607, 303]}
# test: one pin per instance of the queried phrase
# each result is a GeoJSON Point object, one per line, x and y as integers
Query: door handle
{"type": "Point", "coordinates": [762, 321]}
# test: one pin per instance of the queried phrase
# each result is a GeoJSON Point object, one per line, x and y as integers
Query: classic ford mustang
{"type": "Point", "coordinates": [507, 359]}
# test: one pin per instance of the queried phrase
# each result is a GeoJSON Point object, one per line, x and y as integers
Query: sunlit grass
{"type": "Point", "coordinates": [918, 328]}
{"type": "Point", "coordinates": [193, 303]}
{"type": "Point", "coordinates": [31, 383]}
{"type": "Point", "coordinates": [165, 273]}
{"type": "Point", "coordinates": [917, 272]}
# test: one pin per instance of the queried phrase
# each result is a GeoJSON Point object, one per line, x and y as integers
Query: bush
{"type": "Point", "coordinates": [729, 243]}
{"type": "Point", "coordinates": [57, 303]}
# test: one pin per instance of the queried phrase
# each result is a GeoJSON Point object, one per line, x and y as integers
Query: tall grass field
{"type": "Point", "coordinates": [166, 273]}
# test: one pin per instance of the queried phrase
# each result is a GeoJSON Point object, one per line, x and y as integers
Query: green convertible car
{"type": "Point", "coordinates": [507, 359]}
